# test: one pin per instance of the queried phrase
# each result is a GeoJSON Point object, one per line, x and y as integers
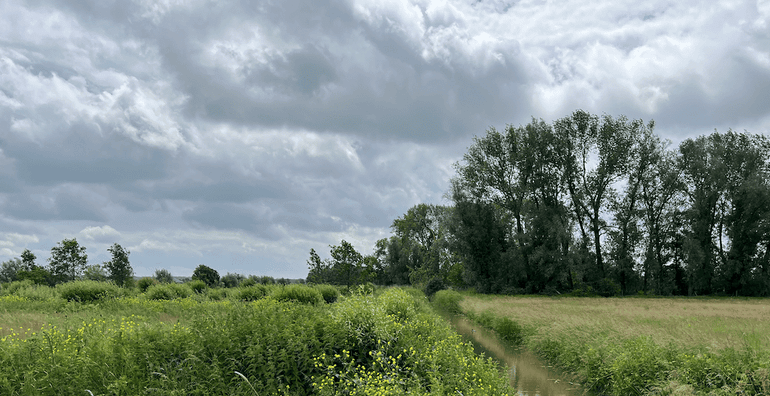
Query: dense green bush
{"type": "Point", "coordinates": [252, 293]}
{"type": "Point", "coordinates": [144, 283]}
{"type": "Point", "coordinates": [197, 286]}
{"type": "Point", "coordinates": [434, 285]}
{"type": "Point", "coordinates": [448, 301]}
{"type": "Point", "coordinates": [299, 293]}
{"type": "Point", "coordinates": [329, 293]}
{"type": "Point", "coordinates": [168, 291]}
{"type": "Point", "coordinates": [87, 290]}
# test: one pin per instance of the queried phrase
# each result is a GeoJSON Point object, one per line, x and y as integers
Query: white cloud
{"type": "Point", "coordinates": [101, 234]}
{"type": "Point", "coordinates": [21, 239]}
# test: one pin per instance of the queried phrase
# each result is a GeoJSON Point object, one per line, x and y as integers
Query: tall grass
{"type": "Point", "coordinates": [683, 346]}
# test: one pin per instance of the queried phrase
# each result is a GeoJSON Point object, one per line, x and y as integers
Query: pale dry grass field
{"type": "Point", "coordinates": [711, 323]}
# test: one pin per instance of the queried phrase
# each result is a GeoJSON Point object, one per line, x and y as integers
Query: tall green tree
{"type": "Point", "coordinates": [68, 261]}
{"type": "Point", "coordinates": [597, 156]}
{"type": "Point", "coordinates": [660, 200]}
{"type": "Point", "coordinates": [28, 260]}
{"type": "Point", "coordinates": [119, 268]}
{"type": "Point", "coordinates": [347, 262]}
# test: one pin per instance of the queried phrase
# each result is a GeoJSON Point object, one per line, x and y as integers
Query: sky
{"type": "Point", "coordinates": [241, 134]}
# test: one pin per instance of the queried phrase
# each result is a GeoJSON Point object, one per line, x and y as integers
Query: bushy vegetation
{"type": "Point", "coordinates": [448, 301]}
{"type": "Point", "coordinates": [298, 293]}
{"type": "Point", "coordinates": [641, 346]}
{"type": "Point", "coordinates": [87, 290]}
{"type": "Point", "coordinates": [329, 293]}
{"type": "Point", "coordinates": [137, 343]}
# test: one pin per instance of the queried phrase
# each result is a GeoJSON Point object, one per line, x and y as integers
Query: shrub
{"type": "Point", "coordinates": [168, 291]}
{"type": "Point", "coordinates": [144, 283]}
{"type": "Point", "coordinates": [198, 286]}
{"type": "Point", "coordinates": [329, 293]}
{"type": "Point", "coordinates": [87, 290]}
{"type": "Point", "coordinates": [248, 282]}
{"type": "Point", "coordinates": [252, 293]}
{"type": "Point", "coordinates": [13, 287]}
{"type": "Point", "coordinates": [448, 301]}
{"type": "Point", "coordinates": [302, 294]}
{"type": "Point", "coordinates": [434, 285]}
{"type": "Point", "coordinates": [216, 294]}
{"type": "Point", "coordinates": [398, 303]}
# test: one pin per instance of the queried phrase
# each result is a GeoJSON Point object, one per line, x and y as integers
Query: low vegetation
{"type": "Point", "coordinates": [637, 346]}
{"type": "Point", "coordinates": [91, 338]}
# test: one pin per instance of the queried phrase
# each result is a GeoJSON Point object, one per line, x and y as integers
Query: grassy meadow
{"type": "Point", "coordinates": [637, 346]}
{"type": "Point", "coordinates": [91, 338]}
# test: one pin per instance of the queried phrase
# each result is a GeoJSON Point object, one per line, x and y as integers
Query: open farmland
{"type": "Point", "coordinates": [623, 346]}
{"type": "Point", "coordinates": [286, 341]}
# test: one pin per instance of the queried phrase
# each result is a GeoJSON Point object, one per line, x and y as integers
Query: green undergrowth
{"type": "Point", "coordinates": [256, 340]}
{"type": "Point", "coordinates": [608, 363]}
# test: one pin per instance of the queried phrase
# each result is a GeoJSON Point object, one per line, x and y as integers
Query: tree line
{"type": "Point", "coordinates": [69, 262]}
{"type": "Point", "coordinates": [585, 205]}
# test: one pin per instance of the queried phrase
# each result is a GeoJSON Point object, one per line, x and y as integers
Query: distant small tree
{"type": "Point", "coordinates": [206, 274]}
{"type": "Point", "coordinates": [95, 272]}
{"type": "Point", "coordinates": [163, 276]}
{"type": "Point", "coordinates": [9, 270]}
{"type": "Point", "coordinates": [283, 281]}
{"type": "Point", "coordinates": [232, 280]}
{"type": "Point", "coordinates": [28, 260]}
{"type": "Point", "coordinates": [68, 261]}
{"type": "Point", "coordinates": [119, 268]}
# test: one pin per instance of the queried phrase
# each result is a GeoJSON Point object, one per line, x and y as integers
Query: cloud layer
{"type": "Point", "coordinates": [241, 134]}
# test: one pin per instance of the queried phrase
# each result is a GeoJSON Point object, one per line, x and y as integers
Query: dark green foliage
{"type": "Point", "coordinates": [68, 261]}
{"type": "Point", "coordinates": [434, 285]}
{"type": "Point", "coordinates": [329, 293]}
{"type": "Point", "coordinates": [10, 269]}
{"type": "Point", "coordinates": [298, 293]}
{"type": "Point", "coordinates": [145, 282]}
{"type": "Point", "coordinates": [87, 290]}
{"type": "Point", "coordinates": [119, 269]}
{"type": "Point", "coordinates": [207, 274]}
{"type": "Point", "coordinates": [233, 280]}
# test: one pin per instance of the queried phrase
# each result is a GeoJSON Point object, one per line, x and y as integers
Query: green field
{"type": "Point", "coordinates": [630, 346]}
{"type": "Point", "coordinates": [287, 341]}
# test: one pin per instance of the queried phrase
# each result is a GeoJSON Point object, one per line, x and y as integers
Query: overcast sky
{"type": "Point", "coordinates": [240, 134]}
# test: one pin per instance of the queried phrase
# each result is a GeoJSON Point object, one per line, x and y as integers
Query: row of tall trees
{"type": "Point", "coordinates": [592, 203]}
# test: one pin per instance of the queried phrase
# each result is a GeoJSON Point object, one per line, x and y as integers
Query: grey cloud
{"type": "Point", "coordinates": [65, 205]}
{"type": "Point", "coordinates": [302, 71]}
{"type": "Point", "coordinates": [80, 154]}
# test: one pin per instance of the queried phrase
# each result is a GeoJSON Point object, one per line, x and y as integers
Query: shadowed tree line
{"type": "Point", "coordinates": [589, 204]}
